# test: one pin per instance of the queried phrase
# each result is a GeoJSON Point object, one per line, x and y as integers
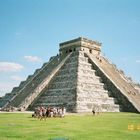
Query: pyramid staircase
{"type": "Point", "coordinates": [77, 88]}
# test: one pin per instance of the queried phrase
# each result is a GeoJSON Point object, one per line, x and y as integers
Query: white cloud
{"type": "Point", "coordinates": [10, 67]}
{"type": "Point", "coordinates": [32, 58]}
{"type": "Point", "coordinates": [16, 78]}
{"type": "Point", "coordinates": [137, 61]}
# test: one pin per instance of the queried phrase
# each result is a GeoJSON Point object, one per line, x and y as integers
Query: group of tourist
{"type": "Point", "coordinates": [43, 112]}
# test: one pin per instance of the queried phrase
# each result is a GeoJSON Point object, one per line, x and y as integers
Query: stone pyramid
{"type": "Point", "coordinates": [80, 79]}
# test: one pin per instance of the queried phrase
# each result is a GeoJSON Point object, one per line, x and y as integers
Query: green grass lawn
{"type": "Point", "coordinates": [106, 126]}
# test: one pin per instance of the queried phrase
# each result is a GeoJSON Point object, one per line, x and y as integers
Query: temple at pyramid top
{"type": "Point", "coordinates": [80, 44]}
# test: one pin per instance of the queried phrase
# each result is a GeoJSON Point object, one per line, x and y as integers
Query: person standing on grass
{"type": "Point", "coordinates": [43, 109]}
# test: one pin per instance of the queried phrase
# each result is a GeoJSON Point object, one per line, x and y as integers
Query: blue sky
{"type": "Point", "coordinates": [31, 30]}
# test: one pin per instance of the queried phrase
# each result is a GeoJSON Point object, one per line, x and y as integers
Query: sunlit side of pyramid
{"type": "Point", "coordinates": [80, 79]}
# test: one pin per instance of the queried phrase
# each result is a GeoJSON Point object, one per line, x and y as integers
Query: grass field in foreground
{"type": "Point", "coordinates": [106, 126]}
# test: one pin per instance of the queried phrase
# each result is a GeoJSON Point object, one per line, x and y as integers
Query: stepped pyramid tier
{"type": "Point", "coordinates": [79, 79]}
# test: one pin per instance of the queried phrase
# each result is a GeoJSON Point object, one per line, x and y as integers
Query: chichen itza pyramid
{"type": "Point", "coordinates": [79, 78]}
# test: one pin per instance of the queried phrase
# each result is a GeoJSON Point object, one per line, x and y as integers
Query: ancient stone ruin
{"type": "Point", "coordinates": [79, 78]}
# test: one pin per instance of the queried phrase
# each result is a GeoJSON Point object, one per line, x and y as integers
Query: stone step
{"type": "Point", "coordinates": [100, 100]}
{"type": "Point", "coordinates": [70, 65]}
{"type": "Point", "coordinates": [15, 89]}
{"type": "Point", "coordinates": [55, 104]}
{"type": "Point", "coordinates": [110, 108]}
{"type": "Point", "coordinates": [102, 107]}
{"type": "Point", "coordinates": [61, 89]}
{"type": "Point", "coordinates": [65, 78]}
{"type": "Point", "coordinates": [93, 94]}
{"type": "Point", "coordinates": [86, 71]}
{"type": "Point", "coordinates": [84, 65]}
{"type": "Point", "coordinates": [93, 80]}
{"type": "Point", "coordinates": [68, 71]}
{"type": "Point", "coordinates": [48, 104]}
{"type": "Point", "coordinates": [50, 98]}
{"type": "Point", "coordinates": [22, 83]}
{"type": "Point", "coordinates": [62, 85]}
{"type": "Point", "coordinates": [80, 65]}
{"type": "Point", "coordinates": [70, 61]}
{"type": "Point", "coordinates": [59, 102]}
{"type": "Point", "coordinates": [65, 75]}
{"type": "Point", "coordinates": [59, 92]}
{"type": "Point", "coordinates": [91, 86]}
{"type": "Point", "coordinates": [86, 83]}
{"type": "Point", "coordinates": [37, 71]}
{"type": "Point", "coordinates": [100, 91]}
{"type": "Point", "coordinates": [81, 69]}
{"type": "Point", "coordinates": [89, 77]}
